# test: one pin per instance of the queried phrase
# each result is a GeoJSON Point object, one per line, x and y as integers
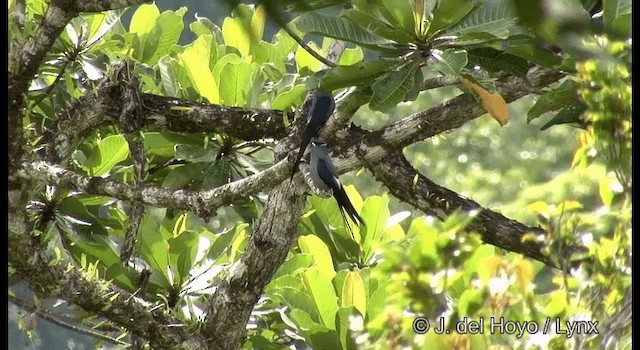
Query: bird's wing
{"type": "Point", "coordinates": [328, 175]}
{"type": "Point", "coordinates": [321, 110]}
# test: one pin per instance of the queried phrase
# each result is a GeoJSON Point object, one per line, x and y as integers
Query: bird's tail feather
{"type": "Point", "coordinates": [303, 147]}
{"type": "Point", "coordinates": [347, 209]}
{"type": "Point", "coordinates": [346, 223]}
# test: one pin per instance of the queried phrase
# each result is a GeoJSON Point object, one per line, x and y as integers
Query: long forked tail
{"type": "Point", "coordinates": [347, 208]}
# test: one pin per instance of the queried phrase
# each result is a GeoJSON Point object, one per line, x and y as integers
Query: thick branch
{"type": "Point", "coordinates": [409, 186]}
{"type": "Point", "coordinates": [158, 113]}
{"type": "Point", "coordinates": [234, 299]}
{"type": "Point", "coordinates": [203, 203]}
{"type": "Point", "coordinates": [105, 5]}
{"type": "Point", "coordinates": [25, 62]}
{"type": "Point", "coordinates": [425, 124]}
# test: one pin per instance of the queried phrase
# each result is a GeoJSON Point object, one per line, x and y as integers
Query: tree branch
{"type": "Point", "coordinates": [235, 297]}
{"type": "Point", "coordinates": [25, 62]}
{"type": "Point", "coordinates": [105, 5]}
{"type": "Point", "coordinates": [203, 203]}
{"type": "Point", "coordinates": [409, 186]}
{"type": "Point", "coordinates": [158, 114]}
{"type": "Point", "coordinates": [54, 280]}
{"type": "Point", "coordinates": [48, 316]}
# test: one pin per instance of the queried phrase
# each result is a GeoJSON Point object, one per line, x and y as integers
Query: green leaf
{"type": "Point", "coordinates": [380, 298]}
{"type": "Point", "coordinates": [153, 248]}
{"type": "Point", "coordinates": [418, 81]}
{"type": "Point", "coordinates": [303, 320]}
{"type": "Point", "coordinates": [401, 12]}
{"type": "Point", "coordinates": [351, 56]}
{"type": "Point", "coordinates": [423, 252]}
{"type": "Point", "coordinates": [470, 302]}
{"type": "Point", "coordinates": [450, 62]}
{"type": "Point", "coordinates": [75, 208]}
{"type": "Point", "coordinates": [164, 35]}
{"type": "Point", "coordinates": [233, 77]}
{"type": "Point", "coordinates": [236, 35]}
{"type": "Point", "coordinates": [144, 19]}
{"type": "Point", "coordinates": [298, 299]}
{"type": "Point", "coordinates": [100, 23]}
{"type": "Point", "coordinates": [622, 25]}
{"type": "Point", "coordinates": [392, 87]}
{"type": "Point", "coordinates": [289, 97]}
{"type": "Point", "coordinates": [371, 23]}
{"type": "Point", "coordinates": [553, 99]}
{"type": "Point", "coordinates": [294, 265]}
{"type": "Point", "coordinates": [106, 154]}
{"type": "Point", "coordinates": [195, 59]}
{"type": "Point", "coordinates": [314, 246]}
{"type": "Point", "coordinates": [359, 74]}
{"type": "Point", "coordinates": [495, 61]}
{"type": "Point", "coordinates": [557, 304]}
{"type": "Point", "coordinates": [342, 326]}
{"type": "Point", "coordinates": [321, 337]}
{"type": "Point", "coordinates": [536, 54]}
{"type": "Point", "coordinates": [323, 295]}
{"type": "Point", "coordinates": [605, 191]}
{"type": "Point", "coordinates": [182, 252]}
{"type": "Point", "coordinates": [163, 144]}
{"type": "Point", "coordinates": [223, 241]}
{"type": "Point", "coordinates": [305, 60]}
{"type": "Point", "coordinates": [613, 9]}
{"type": "Point", "coordinates": [569, 114]}
{"type": "Point", "coordinates": [491, 17]}
{"type": "Point", "coordinates": [353, 292]}
{"type": "Point", "coordinates": [450, 12]}
{"type": "Point", "coordinates": [338, 28]}
{"type": "Point", "coordinates": [171, 76]}
{"type": "Point", "coordinates": [181, 176]}
{"type": "Point", "coordinates": [375, 214]}
{"type": "Point", "coordinates": [393, 230]}
{"type": "Point", "coordinates": [304, 6]}
{"type": "Point", "coordinates": [96, 248]}
{"type": "Point", "coordinates": [218, 173]}
{"type": "Point", "coordinates": [195, 153]}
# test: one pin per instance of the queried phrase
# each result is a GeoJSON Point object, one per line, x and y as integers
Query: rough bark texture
{"type": "Point", "coordinates": [400, 177]}
{"type": "Point", "coordinates": [229, 310]}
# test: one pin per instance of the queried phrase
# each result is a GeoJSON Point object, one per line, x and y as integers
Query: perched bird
{"type": "Point", "coordinates": [325, 176]}
{"type": "Point", "coordinates": [317, 111]}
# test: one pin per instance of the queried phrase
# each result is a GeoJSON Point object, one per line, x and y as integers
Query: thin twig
{"type": "Point", "coordinates": [438, 82]}
{"type": "Point", "coordinates": [45, 315]}
{"type": "Point", "coordinates": [307, 47]}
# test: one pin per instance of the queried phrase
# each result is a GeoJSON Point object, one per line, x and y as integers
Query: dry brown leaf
{"type": "Point", "coordinates": [494, 104]}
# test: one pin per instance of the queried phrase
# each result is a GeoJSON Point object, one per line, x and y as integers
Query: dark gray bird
{"type": "Point", "coordinates": [325, 176]}
{"type": "Point", "coordinates": [317, 111]}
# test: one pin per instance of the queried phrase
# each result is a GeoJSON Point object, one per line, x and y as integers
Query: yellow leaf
{"type": "Point", "coordinates": [314, 246]}
{"type": "Point", "coordinates": [353, 292]}
{"type": "Point", "coordinates": [180, 225]}
{"type": "Point", "coordinates": [494, 104]}
{"type": "Point", "coordinates": [567, 206]}
{"type": "Point", "coordinates": [257, 23]}
{"type": "Point", "coordinates": [489, 267]}
{"type": "Point", "coordinates": [195, 59]}
{"type": "Point", "coordinates": [538, 207]}
{"type": "Point", "coordinates": [236, 35]}
{"type": "Point", "coordinates": [524, 273]}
